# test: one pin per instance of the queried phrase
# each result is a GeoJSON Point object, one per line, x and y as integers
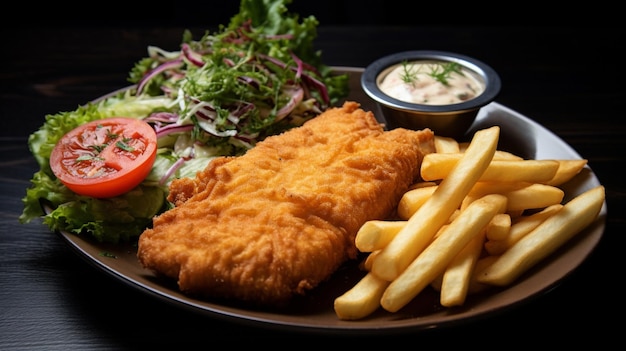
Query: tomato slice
{"type": "Point", "coordinates": [105, 158]}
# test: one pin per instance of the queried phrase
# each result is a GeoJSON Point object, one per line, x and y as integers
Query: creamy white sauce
{"type": "Point", "coordinates": [412, 82]}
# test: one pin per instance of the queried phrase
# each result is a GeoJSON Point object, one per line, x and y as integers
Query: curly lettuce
{"type": "Point", "coordinates": [216, 96]}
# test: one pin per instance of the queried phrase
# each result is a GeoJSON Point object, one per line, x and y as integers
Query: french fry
{"type": "Point", "coordinates": [515, 214]}
{"type": "Point", "coordinates": [362, 299]}
{"type": "Point", "coordinates": [369, 260]}
{"type": "Point", "coordinates": [499, 227]}
{"type": "Point", "coordinates": [566, 171]}
{"type": "Point", "coordinates": [412, 200]}
{"type": "Point", "coordinates": [436, 166]}
{"type": "Point", "coordinates": [434, 258]}
{"type": "Point", "coordinates": [418, 185]}
{"type": "Point", "coordinates": [505, 155]}
{"type": "Point", "coordinates": [576, 214]}
{"type": "Point", "coordinates": [520, 227]}
{"type": "Point", "coordinates": [481, 188]}
{"type": "Point", "coordinates": [446, 144]}
{"type": "Point", "coordinates": [457, 275]}
{"type": "Point", "coordinates": [436, 211]}
{"type": "Point", "coordinates": [452, 215]}
{"type": "Point", "coordinates": [436, 283]}
{"type": "Point", "coordinates": [463, 146]}
{"type": "Point", "coordinates": [522, 195]}
{"type": "Point", "coordinates": [499, 154]}
{"type": "Point", "coordinates": [376, 234]}
{"type": "Point", "coordinates": [474, 286]}
{"type": "Point", "coordinates": [534, 196]}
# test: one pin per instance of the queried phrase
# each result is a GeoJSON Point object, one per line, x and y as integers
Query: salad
{"type": "Point", "coordinates": [216, 96]}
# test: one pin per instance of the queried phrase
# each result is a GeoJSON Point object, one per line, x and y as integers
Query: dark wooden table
{"type": "Point", "coordinates": [570, 80]}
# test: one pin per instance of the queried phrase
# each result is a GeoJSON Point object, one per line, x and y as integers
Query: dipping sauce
{"type": "Point", "coordinates": [431, 82]}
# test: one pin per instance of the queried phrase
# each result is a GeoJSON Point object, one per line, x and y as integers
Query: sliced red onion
{"type": "Point", "coordinates": [170, 172]}
{"type": "Point", "coordinates": [164, 117]}
{"type": "Point", "coordinates": [193, 57]}
{"type": "Point", "coordinates": [159, 69]}
{"type": "Point", "coordinates": [309, 79]}
{"type": "Point", "coordinates": [296, 93]}
{"type": "Point", "coordinates": [321, 87]}
{"type": "Point", "coordinates": [250, 81]}
{"type": "Point", "coordinates": [171, 129]}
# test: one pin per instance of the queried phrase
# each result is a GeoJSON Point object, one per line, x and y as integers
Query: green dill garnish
{"type": "Point", "coordinates": [408, 75]}
{"type": "Point", "coordinates": [442, 72]}
{"type": "Point", "coordinates": [123, 144]}
{"type": "Point", "coordinates": [110, 134]}
{"type": "Point", "coordinates": [98, 148]}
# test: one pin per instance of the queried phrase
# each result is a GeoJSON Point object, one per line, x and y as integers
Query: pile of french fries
{"type": "Point", "coordinates": [480, 217]}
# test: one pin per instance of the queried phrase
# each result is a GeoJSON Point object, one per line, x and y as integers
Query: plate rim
{"type": "Point", "coordinates": [593, 234]}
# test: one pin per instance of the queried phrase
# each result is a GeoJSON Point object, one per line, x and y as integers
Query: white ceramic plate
{"type": "Point", "coordinates": [314, 313]}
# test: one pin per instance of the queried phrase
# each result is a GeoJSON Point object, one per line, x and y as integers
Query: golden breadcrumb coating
{"type": "Point", "coordinates": [275, 222]}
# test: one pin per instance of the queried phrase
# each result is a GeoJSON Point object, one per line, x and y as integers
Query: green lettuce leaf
{"type": "Point", "coordinates": [110, 220]}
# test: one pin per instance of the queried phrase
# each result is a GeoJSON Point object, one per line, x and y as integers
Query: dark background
{"type": "Point", "coordinates": [210, 13]}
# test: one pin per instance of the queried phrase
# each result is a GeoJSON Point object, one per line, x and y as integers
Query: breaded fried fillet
{"type": "Point", "coordinates": [277, 221]}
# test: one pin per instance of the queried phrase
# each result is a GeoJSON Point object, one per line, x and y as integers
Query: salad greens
{"type": "Point", "coordinates": [216, 96]}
